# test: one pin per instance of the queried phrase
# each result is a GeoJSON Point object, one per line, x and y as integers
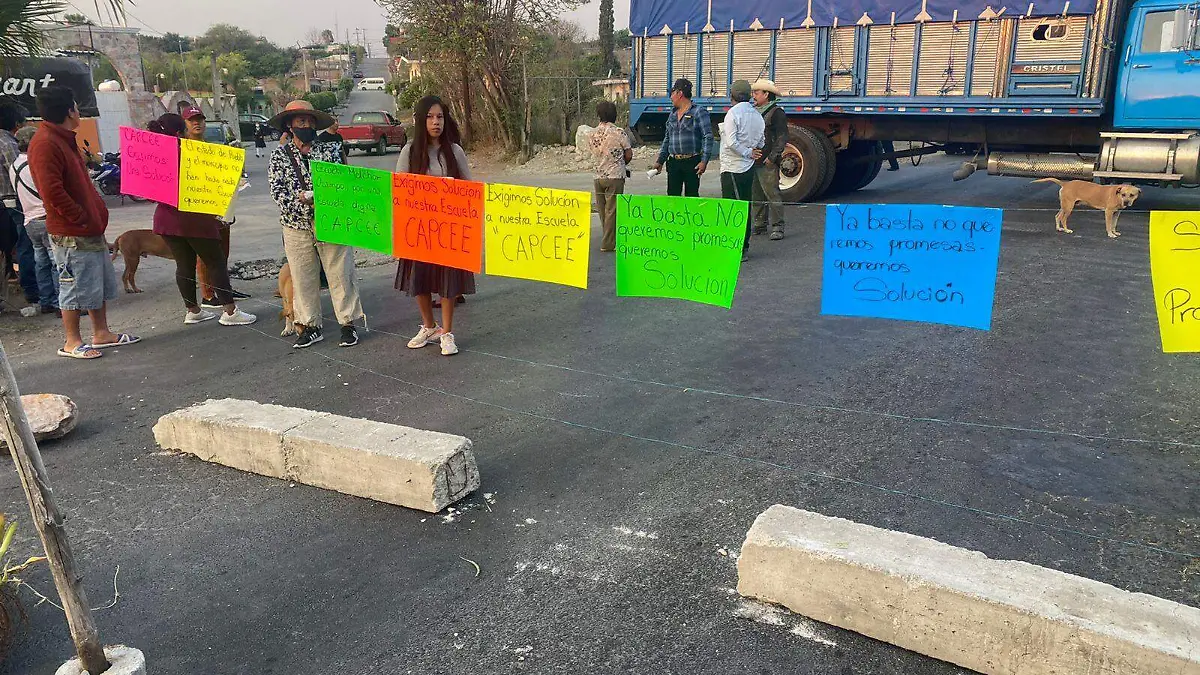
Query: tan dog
{"type": "Point", "coordinates": [285, 292]}
{"type": "Point", "coordinates": [1110, 199]}
{"type": "Point", "coordinates": [133, 246]}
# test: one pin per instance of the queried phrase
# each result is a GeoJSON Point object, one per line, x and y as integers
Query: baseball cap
{"type": "Point", "coordinates": [189, 113]}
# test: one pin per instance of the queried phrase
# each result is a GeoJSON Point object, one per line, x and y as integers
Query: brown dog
{"type": "Point", "coordinates": [1110, 199]}
{"type": "Point", "coordinates": [133, 246]}
{"type": "Point", "coordinates": [285, 292]}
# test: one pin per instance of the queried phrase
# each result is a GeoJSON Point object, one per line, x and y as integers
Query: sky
{"type": "Point", "coordinates": [282, 23]}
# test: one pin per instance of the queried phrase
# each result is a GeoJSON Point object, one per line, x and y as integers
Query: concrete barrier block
{"type": "Point", "coordinates": [399, 465]}
{"type": "Point", "coordinates": [245, 435]}
{"type": "Point", "coordinates": [1000, 617]}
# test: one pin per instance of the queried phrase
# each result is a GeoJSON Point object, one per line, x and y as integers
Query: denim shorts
{"type": "Point", "coordinates": [86, 278]}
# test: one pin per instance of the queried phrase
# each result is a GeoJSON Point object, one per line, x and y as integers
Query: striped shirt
{"type": "Point", "coordinates": [690, 135]}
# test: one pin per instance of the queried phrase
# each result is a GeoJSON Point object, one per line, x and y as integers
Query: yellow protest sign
{"type": "Point", "coordinates": [1175, 269]}
{"type": "Point", "coordinates": [208, 176]}
{"type": "Point", "coordinates": [537, 233]}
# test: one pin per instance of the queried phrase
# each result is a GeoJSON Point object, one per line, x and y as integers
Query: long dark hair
{"type": "Point", "coordinates": [169, 124]}
{"type": "Point", "coordinates": [418, 154]}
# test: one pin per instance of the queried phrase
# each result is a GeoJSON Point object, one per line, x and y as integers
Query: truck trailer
{"type": "Point", "coordinates": [1103, 90]}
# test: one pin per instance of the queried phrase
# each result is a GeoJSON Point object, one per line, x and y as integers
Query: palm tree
{"type": "Point", "coordinates": [22, 22]}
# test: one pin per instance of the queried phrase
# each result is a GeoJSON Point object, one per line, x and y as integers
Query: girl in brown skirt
{"type": "Point", "coordinates": [434, 151]}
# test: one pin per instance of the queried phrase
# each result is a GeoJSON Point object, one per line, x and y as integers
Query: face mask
{"type": "Point", "coordinates": [304, 135]}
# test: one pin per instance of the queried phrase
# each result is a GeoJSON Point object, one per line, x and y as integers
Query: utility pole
{"type": "Point", "coordinates": [217, 107]}
{"type": "Point", "coordinates": [304, 68]}
{"type": "Point", "coordinates": [49, 523]}
{"type": "Point", "coordinates": [183, 68]}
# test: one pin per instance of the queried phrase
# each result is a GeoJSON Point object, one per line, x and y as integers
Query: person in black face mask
{"type": "Point", "coordinates": [292, 190]}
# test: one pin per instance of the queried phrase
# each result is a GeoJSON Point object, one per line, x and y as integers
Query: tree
{"type": "Point", "coordinates": [267, 60]}
{"type": "Point", "coordinates": [327, 36]}
{"type": "Point", "coordinates": [623, 39]}
{"type": "Point", "coordinates": [20, 32]}
{"type": "Point", "coordinates": [314, 38]}
{"type": "Point", "coordinates": [480, 42]}
{"type": "Point", "coordinates": [224, 38]}
{"type": "Point", "coordinates": [606, 36]}
{"type": "Point", "coordinates": [174, 43]}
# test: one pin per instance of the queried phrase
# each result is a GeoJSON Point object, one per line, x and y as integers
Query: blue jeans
{"type": "Point", "coordinates": [43, 254]}
{"type": "Point", "coordinates": [25, 257]}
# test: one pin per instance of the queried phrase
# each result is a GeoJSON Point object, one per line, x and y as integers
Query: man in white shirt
{"type": "Point", "coordinates": [35, 222]}
{"type": "Point", "coordinates": [742, 132]}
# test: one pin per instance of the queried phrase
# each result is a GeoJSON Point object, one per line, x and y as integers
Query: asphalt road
{"type": "Point", "coordinates": [625, 445]}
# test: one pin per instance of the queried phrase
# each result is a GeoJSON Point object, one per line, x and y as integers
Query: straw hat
{"type": "Point", "coordinates": [300, 107]}
{"type": "Point", "coordinates": [765, 85]}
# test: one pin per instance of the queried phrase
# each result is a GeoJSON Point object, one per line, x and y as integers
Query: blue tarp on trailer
{"type": "Point", "coordinates": [649, 17]}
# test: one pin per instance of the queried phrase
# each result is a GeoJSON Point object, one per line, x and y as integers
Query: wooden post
{"type": "Point", "coordinates": [49, 523]}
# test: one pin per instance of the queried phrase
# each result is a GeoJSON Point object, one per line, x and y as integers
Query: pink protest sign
{"type": "Point", "coordinates": [150, 165]}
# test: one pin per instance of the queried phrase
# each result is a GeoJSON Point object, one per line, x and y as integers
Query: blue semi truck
{"type": "Point", "coordinates": [1104, 90]}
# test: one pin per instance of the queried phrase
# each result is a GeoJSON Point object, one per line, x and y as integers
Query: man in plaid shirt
{"type": "Point", "coordinates": [688, 143]}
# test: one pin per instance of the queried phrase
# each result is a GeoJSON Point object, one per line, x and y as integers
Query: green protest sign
{"type": "Point", "coordinates": [353, 206]}
{"type": "Point", "coordinates": [679, 247]}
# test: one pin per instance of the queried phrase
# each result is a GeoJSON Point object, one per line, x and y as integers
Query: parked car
{"type": "Point", "coordinates": [372, 84]}
{"type": "Point", "coordinates": [358, 75]}
{"type": "Point", "coordinates": [373, 132]}
{"type": "Point", "coordinates": [220, 131]}
{"type": "Point", "coordinates": [248, 121]}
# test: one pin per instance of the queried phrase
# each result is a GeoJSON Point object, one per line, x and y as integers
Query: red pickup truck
{"type": "Point", "coordinates": [372, 132]}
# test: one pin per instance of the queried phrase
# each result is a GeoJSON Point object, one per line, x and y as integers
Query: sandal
{"type": "Point", "coordinates": [123, 339]}
{"type": "Point", "coordinates": [85, 352]}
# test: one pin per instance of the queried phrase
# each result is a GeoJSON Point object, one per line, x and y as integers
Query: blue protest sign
{"type": "Point", "coordinates": [916, 262]}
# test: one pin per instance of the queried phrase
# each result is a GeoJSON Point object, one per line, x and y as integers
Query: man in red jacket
{"type": "Point", "coordinates": [76, 218]}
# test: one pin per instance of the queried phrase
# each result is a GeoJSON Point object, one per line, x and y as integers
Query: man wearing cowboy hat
{"type": "Point", "coordinates": [768, 204]}
{"type": "Point", "coordinates": [292, 189]}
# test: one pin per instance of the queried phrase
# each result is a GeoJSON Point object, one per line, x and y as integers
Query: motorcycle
{"type": "Point", "coordinates": [106, 173]}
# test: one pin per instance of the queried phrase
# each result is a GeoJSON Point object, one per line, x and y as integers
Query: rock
{"type": "Point", "coordinates": [124, 661]}
{"type": "Point", "coordinates": [582, 136]}
{"type": "Point", "coordinates": [50, 416]}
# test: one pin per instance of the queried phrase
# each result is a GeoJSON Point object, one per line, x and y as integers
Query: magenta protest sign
{"type": "Point", "coordinates": [150, 165]}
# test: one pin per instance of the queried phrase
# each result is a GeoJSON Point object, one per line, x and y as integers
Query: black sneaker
{"type": "Point", "coordinates": [349, 336]}
{"type": "Point", "coordinates": [310, 336]}
{"type": "Point", "coordinates": [211, 303]}
{"type": "Point", "coordinates": [238, 295]}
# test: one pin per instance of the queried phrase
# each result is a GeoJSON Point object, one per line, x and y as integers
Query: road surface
{"type": "Point", "coordinates": [625, 445]}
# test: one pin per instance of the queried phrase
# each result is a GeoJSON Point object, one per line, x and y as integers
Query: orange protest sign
{"type": "Point", "coordinates": [438, 220]}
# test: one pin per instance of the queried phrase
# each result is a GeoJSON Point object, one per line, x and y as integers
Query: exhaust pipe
{"type": "Point", "coordinates": [1039, 166]}
{"type": "Point", "coordinates": [964, 172]}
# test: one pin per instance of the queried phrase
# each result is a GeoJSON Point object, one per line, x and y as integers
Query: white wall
{"type": "Point", "coordinates": [114, 113]}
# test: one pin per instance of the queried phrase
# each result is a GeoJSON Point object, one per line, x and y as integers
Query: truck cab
{"type": "Point", "coordinates": [1158, 83]}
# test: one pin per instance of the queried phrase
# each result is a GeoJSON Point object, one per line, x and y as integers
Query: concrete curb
{"type": "Point", "coordinates": [124, 660]}
{"type": "Point", "coordinates": [398, 465]}
{"type": "Point", "coordinates": [1001, 617]}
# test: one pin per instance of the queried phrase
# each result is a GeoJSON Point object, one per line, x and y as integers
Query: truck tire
{"type": "Point", "coordinates": [381, 148]}
{"type": "Point", "coordinates": [851, 175]}
{"type": "Point", "coordinates": [807, 165]}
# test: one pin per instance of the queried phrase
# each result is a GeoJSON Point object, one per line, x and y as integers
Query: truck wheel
{"type": "Point", "coordinates": [806, 166]}
{"type": "Point", "coordinates": [850, 174]}
{"type": "Point", "coordinates": [382, 147]}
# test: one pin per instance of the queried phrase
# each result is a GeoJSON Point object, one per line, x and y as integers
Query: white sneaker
{"type": "Point", "coordinates": [238, 318]}
{"type": "Point", "coordinates": [198, 317]}
{"type": "Point", "coordinates": [426, 336]}
{"type": "Point", "coordinates": [448, 346]}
